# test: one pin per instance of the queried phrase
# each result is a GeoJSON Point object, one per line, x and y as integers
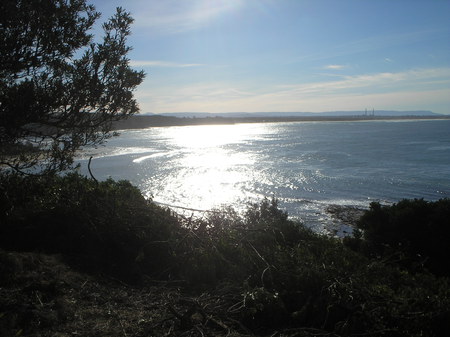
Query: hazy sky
{"type": "Point", "coordinates": [289, 55]}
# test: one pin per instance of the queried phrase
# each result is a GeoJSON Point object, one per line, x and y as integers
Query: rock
{"type": "Point", "coordinates": [349, 215]}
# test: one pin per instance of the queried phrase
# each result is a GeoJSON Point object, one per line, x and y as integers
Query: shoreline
{"type": "Point", "coordinates": [349, 215]}
{"type": "Point", "coordinates": [333, 220]}
{"type": "Point", "coordinates": [147, 121]}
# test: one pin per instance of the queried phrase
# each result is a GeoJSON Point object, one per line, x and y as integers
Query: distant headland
{"type": "Point", "coordinates": [204, 118]}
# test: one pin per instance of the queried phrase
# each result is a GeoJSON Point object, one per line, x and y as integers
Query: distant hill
{"type": "Point", "coordinates": [301, 114]}
{"type": "Point", "coordinates": [182, 119]}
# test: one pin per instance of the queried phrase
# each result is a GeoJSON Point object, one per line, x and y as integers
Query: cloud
{"type": "Point", "coordinates": [403, 100]}
{"type": "Point", "coordinates": [334, 67]}
{"type": "Point", "coordinates": [425, 89]}
{"type": "Point", "coordinates": [375, 82]}
{"type": "Point", "coordinates": [164, 64]}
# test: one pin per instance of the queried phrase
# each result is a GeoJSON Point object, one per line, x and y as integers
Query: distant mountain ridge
{"type": "Point", "coordinates": [300, 114]}
{"type": "Point", "coordinates": [192, 118]}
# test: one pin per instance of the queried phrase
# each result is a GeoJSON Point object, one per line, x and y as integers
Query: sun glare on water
{"type": "Point", "coordinates": [207, 136]}
{"type": "Point", "coordinates": [208, 166]}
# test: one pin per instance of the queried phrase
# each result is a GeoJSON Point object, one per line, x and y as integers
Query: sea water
{"type": "Point", "coordinates": [307, 166]}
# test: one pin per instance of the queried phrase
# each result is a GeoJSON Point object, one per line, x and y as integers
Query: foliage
{"type": "Point", "coordinates": [106, 226]}
{"type": "Point", "coordinates": [311, 284]}
{"type": "Point", "coordinates": [264, 271]}
{"type": "Point", "coordinates": [411, 233]}
{"type": "Point", "coordinates": [59, 90]}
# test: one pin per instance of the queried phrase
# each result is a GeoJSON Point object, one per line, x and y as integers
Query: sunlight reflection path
{"type": "Point", "coordinates": [307, 166]}
{"type": "Point", "coordinates": [209, 170]}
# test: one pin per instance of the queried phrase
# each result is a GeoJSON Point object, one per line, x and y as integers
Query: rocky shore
{"type": "Point", "coordinates": [349, 215]}
{"type": "Point", "coordinates": [345, 219]}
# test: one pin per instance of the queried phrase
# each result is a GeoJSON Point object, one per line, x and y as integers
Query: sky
{"type": "Point", "coordinates": [289, 55]}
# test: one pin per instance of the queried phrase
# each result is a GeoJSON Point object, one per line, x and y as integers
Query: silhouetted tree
{"type": "Point", "coordinates": [60, 90]}
{"type": "Point", "coordinates": [413, 233]}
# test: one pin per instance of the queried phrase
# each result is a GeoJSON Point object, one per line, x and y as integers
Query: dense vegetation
{"type": "Point", "coordinates": [412, 233]}
{"type": "Point", "coordinates": [271, 276]}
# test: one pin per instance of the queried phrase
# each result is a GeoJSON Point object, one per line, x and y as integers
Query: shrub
{"type": "Point", "coordinates": [270, 273]}
{"type": "Point", "coordinates": [411, 233]}
{"type": "Point", "coordinates": [307, 283]}
{"type": "Point", "coordinates": [106, 226]}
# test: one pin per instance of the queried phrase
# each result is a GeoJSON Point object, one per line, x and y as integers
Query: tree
{"type": "Point", "coordinates": [413, 233]}
{"type": "Point", "coordinates": [60, 90]}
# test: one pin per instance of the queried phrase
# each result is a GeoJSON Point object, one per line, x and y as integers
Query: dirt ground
{"type": "Point", "coordinates": [42, 296]}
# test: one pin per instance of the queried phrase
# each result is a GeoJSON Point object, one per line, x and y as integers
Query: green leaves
{"type": "Point", "coordinates": [50, 100]}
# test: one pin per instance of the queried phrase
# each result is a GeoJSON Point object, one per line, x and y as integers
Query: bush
{"type": "Point", "coordinates": [106, 226]}
{"type": "Point", "coordinates": [412, 233]}
{"type": "Point", "coordinates": [307, 283]}
{"type": "Point", "coordinates": [269, 273]}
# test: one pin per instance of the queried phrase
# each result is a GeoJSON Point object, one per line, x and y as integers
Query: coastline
{"type": "Point", "coordinates": [147, 121]}
{"type": "Point", "coordinates": [346, 218]}
{"type": "Point", "coordinates": [349, 215]}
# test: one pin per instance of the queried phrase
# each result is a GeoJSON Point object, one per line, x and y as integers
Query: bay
{"type": "Point", "coordinates": [307, 166]}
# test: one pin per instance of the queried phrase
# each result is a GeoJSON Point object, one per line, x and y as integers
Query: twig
{"type": "Point", "coordinates": [200, 330]}
{"type": "Point", "coordinates": [187, 208]}
{"type": "Point", "coordinates": [169, 333]}
{"type": "Point", "coordinates": [219, 323]}
{"type": "Point", "coordinates": [118, 318]}
{"type": "Point", "coordinates": [262, 258]}
{"type": "Point", "coordinates": [314, 331]}
{"type": "Point", "coordinates": [39, 298]}
{"type": "Point", "coordinates": [89, 169]}
{"type": "Point", "coordinates": [236, 307]}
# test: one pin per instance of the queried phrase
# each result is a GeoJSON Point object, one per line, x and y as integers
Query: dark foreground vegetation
{"type": "Point", "coordinates": [81, 258]}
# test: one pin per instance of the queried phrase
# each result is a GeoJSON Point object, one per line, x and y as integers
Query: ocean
{"type": "Point", "coordinates": [307, 166]}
